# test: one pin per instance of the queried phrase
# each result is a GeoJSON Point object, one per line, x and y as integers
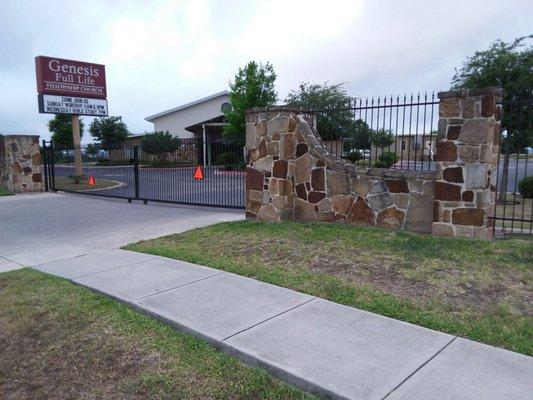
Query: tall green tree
{"type": "Point", "coordinates": [508, 66]}
{"type": "Point", "coordinates": [61, 129]}
{"type": "Point", "coordinates": [253, 87]}
{"type": "Point", "coordinates": [334, 125]}
{"type": "Point", "coordinates": [109, 132]}
{"type": "Point", "coordinates": [159, 143]}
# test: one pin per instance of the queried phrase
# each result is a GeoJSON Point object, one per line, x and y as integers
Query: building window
{"type": "Point", "coordinates": [129, 153]}
{"type": "Point", "coordinates": [403, 145]}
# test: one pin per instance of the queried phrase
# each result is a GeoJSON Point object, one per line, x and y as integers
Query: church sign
{"type": "Point", "coordinates": [70, 87]}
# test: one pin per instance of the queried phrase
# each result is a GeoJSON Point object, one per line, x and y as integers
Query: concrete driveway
{"type": "Point", "coordinates": [40, 228]}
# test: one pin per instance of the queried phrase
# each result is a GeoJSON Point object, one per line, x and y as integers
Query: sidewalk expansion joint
{"type": "Point", "coordinates": [180, 286]}
{"type": "Point", "coordinates": [112, 268]}
{"type": "Point", "coordinates": [420, 367]}
{"type": "Point", "coordinates": [268, 319]}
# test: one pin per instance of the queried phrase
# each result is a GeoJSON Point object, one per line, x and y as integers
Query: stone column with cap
{"type": "Point", "coordinates": [467, 162]}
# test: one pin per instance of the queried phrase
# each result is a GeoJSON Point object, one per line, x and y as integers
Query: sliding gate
{"type": "Point", "coordinates": [196, 172]}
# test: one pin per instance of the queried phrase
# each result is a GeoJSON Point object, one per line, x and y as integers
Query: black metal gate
{"type": "Point", "coordinates": [514, 189]}
{"type": "Point", "coordinates": [137, 173]}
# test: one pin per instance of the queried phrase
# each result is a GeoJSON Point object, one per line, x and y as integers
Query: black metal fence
{"type": "Point", "coordinates": [398, 132]}
{"type": "Point", "coordinates": [514, 188]}
{"type": "Point", "coordinates": [138, 173]}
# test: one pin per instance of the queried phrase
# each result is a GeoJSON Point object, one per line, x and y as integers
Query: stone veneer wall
{"type": "Point", "coordinates": [467, 159]}
{"type": "Point", "coordinates": [290, 175]}
{"type": "Point", "coordinates": [20, 163]}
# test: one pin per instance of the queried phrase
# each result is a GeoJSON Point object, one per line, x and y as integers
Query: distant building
{"type": "Point", "coordinates": [194, 119]}
{"type": "Point", "coordinates": [409, 148]}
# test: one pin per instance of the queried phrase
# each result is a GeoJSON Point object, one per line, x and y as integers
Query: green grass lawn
{"type": "Point", "coordinates": [4, 192]}
{"type": "Point", "coordinates": [65, 183]}
{"type": "Point", "coordinates": [58, 340]}
{"type": "Point", "coordinates": [475, 289]}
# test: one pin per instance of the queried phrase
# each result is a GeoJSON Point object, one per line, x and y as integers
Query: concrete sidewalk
{"type": "Point", "coordinates": [323, 347]}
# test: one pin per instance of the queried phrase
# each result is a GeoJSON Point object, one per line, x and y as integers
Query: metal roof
{"type": "Point", "coordinates": [187, 105]}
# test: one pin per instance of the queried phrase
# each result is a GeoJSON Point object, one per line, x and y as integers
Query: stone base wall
{"type": "Point", "coordinates": [467, 159]}
{"type": "Point", "coordinates": [20, 163]}
{"type": "Point", "coordinates": [290, 175]}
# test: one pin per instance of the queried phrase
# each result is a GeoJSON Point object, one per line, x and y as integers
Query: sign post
{"type": "Point", "coordinates": [71, 87]}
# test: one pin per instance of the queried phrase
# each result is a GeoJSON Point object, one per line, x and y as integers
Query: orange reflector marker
{"type": "Point", "coordinates": [198, 173]}
{"type": "Point", "coordinates": [92, 181]}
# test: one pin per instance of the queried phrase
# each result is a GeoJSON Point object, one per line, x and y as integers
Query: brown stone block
{"type": "Point", "coordinates": [450, 108]}
{"type": "Point", "coordinates": [288, 146]}
{"type": "Point", "coordinates": [301, 149]}
{"type": "Point", "coordinates": [453, 174]}
{"type": "Point", "coordinates": [301, 191]}
{"type": "Point", "coordinates": [437, 211]}
{"type": "Point", "coordinates": [250, 216]}
{"type": "Point", "coordinates": [390, 218]}
{"type": "Point", "coordinates": [304, 211]}
{"type": "Point", "coordinates": [326, 216]}
{"type": "Point", "coordinates": [360, 186]}
{"type": "Point", "coordinates": [446, 151]}
{"type": "Point", "coordinates": [273, 148]}
{"type": "Point", "coordinates": [285, 187]}
{"type": "Point", "coordinates": [36, 159]}
{"type": "Point", "coordinates": [303, 168]}
{"type": "Point", "coordinates": [274, 186]}
{"type": "Point", "coordinates": [268, 213]}
{"type": "Point", "coordinates": [361, 213]}
{"type": "Point", "coordinates": [279, 170]}
{"type": "Point", "coordinates": [468, 216]}
{"type": "Point", "coordinates": [442, 230]}
{"type": "Point", "coordinates": [469, 153]}
{"type": "Point", "coordinates": [315, 197]}
{"type": "Point", "coordinates": [16, 168]}
{"type": "Point", "coordinates": [397, 185]}
{"type": "Point", "coordinates": [468, 196]}
{"type": "Point", "coordinates": [337, 182]}
{"type": "Point", "coordinates": [276, 136]}
{"type": "Point", "coordinates": [470, 108]}
{"type": "Point", "coordinates": [253, 206]}
{"type": "Point", "coordinates": [453, 132]}
{"type": "Point", "coordinates": [447, 191]}
{"type": "Point", "coordinates": [476, 131]}
{"type": "Point", "coordinates": [279, 124]}
{"type": "Point", "coordinates": [446, 216]}
{"type": "Point", "coordinates": [342, 203]}
{"type": "Point", "coordinates": [488, 106]}
{"type": "Point", "coordinates": [263, 148]}
{"type": "Point", "coordinates": [37, 178]}
{"type": "Point", "coordinates": [419, 217]}
{"type": "Point", "coordinates": [318, 179]}
{"type": "Point", "coordinates": [254, 179]}
{"type": "Point", "coordinates": [27, 170]}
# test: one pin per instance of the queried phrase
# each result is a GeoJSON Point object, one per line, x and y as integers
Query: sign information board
{"type": "Point", "coordinates": [49, 104]}
{"type": "Point", "coordinates": [63, 77]}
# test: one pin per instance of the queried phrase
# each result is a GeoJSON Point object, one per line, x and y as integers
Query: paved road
{"type": "Point", "coordinates": [37, 228]}
{"type": "Point", "coordinates": [170, 184]}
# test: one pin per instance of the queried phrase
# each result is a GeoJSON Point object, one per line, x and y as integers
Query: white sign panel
{"type": "Point", "coordinates": [72, 105]}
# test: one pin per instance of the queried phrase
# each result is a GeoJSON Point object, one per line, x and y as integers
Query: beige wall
{"type": "Point", "coordinates": [176, 122]}
{"type": "Point", "coordinates": [409, 153]}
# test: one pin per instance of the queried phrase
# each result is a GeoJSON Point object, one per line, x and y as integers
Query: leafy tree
{"type": "Point", "coordinates": [61, 129]}
{"type": "Point", "coordinates": [92, 149]}
{"type": "Point", "coordinates": [253, 87]}
{"type": "Point", "coordinates": [333, 125]}
{"type": "Point", "coordinates": [360, 138]}
{"type": "Point", "coordinates": [381, 138]}
{"type": "Point", "coordinates": [508, 66]}
{"type": "Point", "coordinates": [160, 143]}
{"type": "Point", "coordinates": [109, 132]}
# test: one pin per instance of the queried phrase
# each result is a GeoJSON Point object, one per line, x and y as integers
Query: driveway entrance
{"type": "Point", "coordinates": [44, 227]}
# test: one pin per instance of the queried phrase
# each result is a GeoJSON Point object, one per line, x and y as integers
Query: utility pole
{"type": "Point", "coordinates": [78, 167]}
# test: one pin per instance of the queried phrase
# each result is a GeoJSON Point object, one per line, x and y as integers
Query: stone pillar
{"type": "Point", "coordinates": [466, 158]}
{"type": "Point", "coordinates": [20, 157]}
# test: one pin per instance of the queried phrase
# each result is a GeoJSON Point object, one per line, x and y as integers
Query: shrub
{"type": "Point", "coordinates": [353, 156]}
{"type": "Point", "coordinates": [386, 160]}
{"type": "Point", "coordinates": [525, 187]}
{"type": "Point", "coordinates": [160, 163]}
{"type": "Point", "coordinates": [227, 158]}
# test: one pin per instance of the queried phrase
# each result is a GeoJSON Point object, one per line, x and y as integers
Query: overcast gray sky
{"type": "Point", "coordinates": [160, 54]}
